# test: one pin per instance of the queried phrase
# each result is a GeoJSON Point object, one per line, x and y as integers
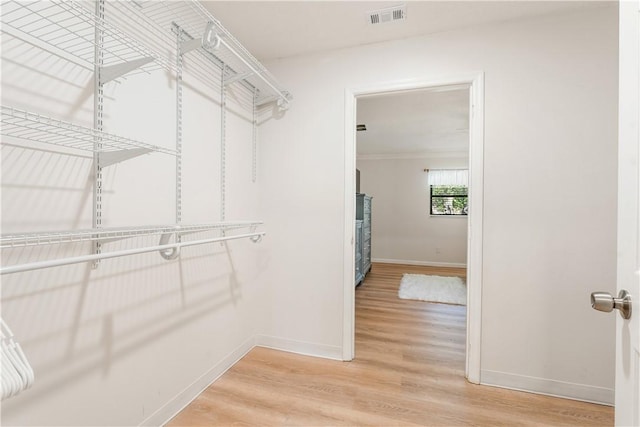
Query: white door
{"type": "Point", "coordinates": [627, 409]}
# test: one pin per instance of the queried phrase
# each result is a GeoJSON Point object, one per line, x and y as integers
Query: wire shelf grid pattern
{"type": "Point", "coordinates": [67, 28]}
{"type": "Point", "coordinates": [91, 235]}
{"type": "Point", "coordinates": [163, 17]}
{"type": "Point", "coordinates": [38, 128]}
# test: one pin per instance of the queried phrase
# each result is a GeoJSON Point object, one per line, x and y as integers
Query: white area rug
{"type": "Point", "coordinates": [448, 290]}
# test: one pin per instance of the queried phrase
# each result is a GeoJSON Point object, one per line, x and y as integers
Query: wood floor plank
{"type": "Point", "coordinates": [408, 371]}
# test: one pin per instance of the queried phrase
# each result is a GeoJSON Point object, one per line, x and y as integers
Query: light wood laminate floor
{"type": "Point", "coordinates": [408, 370]}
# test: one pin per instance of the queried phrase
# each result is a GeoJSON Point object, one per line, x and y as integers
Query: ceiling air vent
{"type": "Point", "coordinates": [390, 14]}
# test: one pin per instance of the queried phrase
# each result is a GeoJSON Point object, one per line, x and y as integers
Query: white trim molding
{"type": "Point", "coordinates": [474, 81]}
{"type": "Point", "coordinates": [192, 391]}
{"type": "Point", "coordinates": [300, 347]}
{"type": "Point", "coordinates": [409, 156]}
{"type": "Point", "coordinates": [425, 263]}
{"type": "Point", "coordinates": [475, 228]}
{"type": "Point", "coordinates": [180, 401]}
{"type": "Point", "coordinates": [548, 387]}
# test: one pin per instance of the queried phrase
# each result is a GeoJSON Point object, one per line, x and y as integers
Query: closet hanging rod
{"type": "Point", "coordinates": [101, 234]}
{"type": "Point", "coordinates": [220, 41]}
{"type": "Point", "coordinates": [115, 254]}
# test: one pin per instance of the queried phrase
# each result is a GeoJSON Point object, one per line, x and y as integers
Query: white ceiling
{"type": "Point", "coordinates": [418, 122]}
{"type": "Point", "coordinates": [278, 29]}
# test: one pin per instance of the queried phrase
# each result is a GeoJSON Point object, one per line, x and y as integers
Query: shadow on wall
{"type": "Point", "coordinates": [87, 325]}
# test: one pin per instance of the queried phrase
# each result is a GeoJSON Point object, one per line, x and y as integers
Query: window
{"type": "Point", "coordinates": [449, 200]}
{"type": "Point", "coordinates": [449, 192]}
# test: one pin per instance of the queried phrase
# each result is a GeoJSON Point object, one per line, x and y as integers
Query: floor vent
{"type": "Point", "coordinates": [390, 14]}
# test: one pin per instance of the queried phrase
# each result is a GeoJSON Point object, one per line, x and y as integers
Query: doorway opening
{"type": "Point", "coordinates": [400, 145]}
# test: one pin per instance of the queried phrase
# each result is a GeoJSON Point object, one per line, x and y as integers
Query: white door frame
{"type": "Point", "coordinates": [475, 223]}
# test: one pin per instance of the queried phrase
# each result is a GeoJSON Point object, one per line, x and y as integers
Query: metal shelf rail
{"type": "Point", "coordinates": [166, 249]}
{"type": "Point", "coordinates": [35, 127]}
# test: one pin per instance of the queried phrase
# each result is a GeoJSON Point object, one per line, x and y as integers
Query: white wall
{"type": "Point", "coordinates": [114, 345]}
{"type": "Point", "coordinates": [402, 229]}
{"type": "Point", "coordinates": [550, 150]}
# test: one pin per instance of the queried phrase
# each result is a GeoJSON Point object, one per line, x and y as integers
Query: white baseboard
{"type": "Point", "coordinates": [300, 347]}
{"type": "Point", "coordinates": [186, 396]}
{"type": "Point", "coordinates": [582, 392]}
{"type": "Point", "coordinates": [425, 263]}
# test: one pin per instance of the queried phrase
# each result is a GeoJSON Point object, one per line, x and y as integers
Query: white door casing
{"type": "Point", "coordinates": [476, 186]}
{"type": "Point", "coordinates": [627, 388]}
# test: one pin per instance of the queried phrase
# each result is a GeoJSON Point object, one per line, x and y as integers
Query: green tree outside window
{"type": "Point", "coordinates": [449, 200]}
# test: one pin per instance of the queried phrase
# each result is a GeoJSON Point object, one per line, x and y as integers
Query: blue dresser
{"type": "Point", "coordinates": [363, 236]}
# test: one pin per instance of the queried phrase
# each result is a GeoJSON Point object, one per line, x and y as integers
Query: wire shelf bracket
{"type": "Point", "coordinates": [237, 77]}
{"type": "Point", "coordinates": [112, 157]}
{"type": "Point", "coordinates": [113, 72]}
{"type": "Point", "coordinates": [189, 45]}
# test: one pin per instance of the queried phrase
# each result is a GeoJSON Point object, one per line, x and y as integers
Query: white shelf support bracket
{"type": "Point", "coordinates": [255, 238]}
{"type": "Point", "coordinates": [188, 45]}
{"type": "Point", "coordinates": [237, 77]}
{"type": "Point", "coordinates": [211, 41]}
{"type": "Point", "coordinates": [282, 103]}
{"type": "Point", "coordinates": [109, 158]}
{"type": "Point", "coordinates": [112, 72]}
{"type": "Point", "coordinates": [266, 100]}
{"type": "Point", "coordinates": [171, 253]}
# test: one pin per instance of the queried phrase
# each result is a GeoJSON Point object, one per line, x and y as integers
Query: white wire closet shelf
{"type": "Point", "coordinates": [215, 45]}
{"type": "Point", "coordinates": [35, 127]}
{"type": "Point", "coordinates": [167, 250]}
{"type": "Point", "coordinates": [67, 29]}
{"type": "Point", "coordinates": [18, 240]}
